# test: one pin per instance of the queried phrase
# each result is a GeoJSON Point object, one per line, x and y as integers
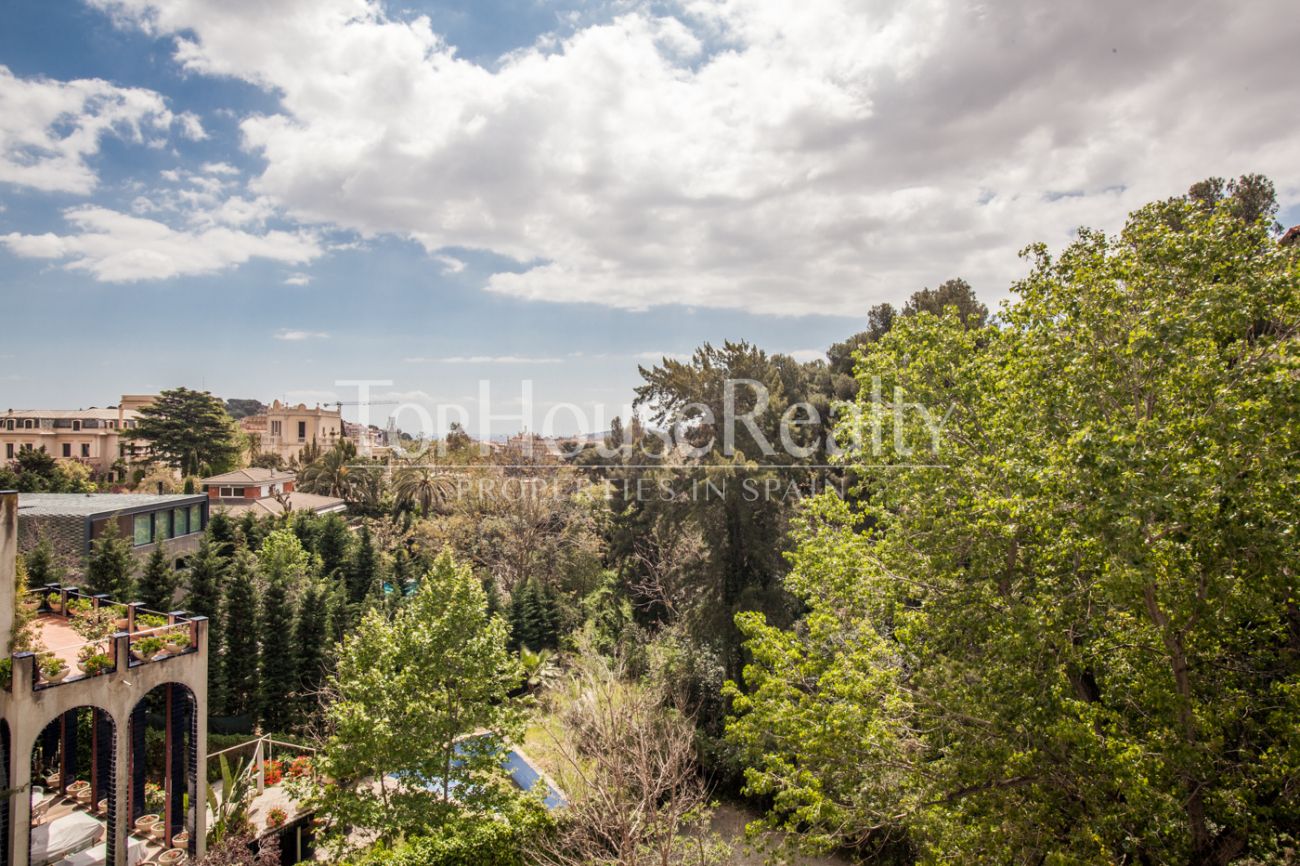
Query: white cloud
{"type": "Point", "coordinates": [484, 359]}
{"type": "Point", "coordinates": [450, 264]}
{"type": "Point", "coordinates": [49, 130]}
{"type": "Point", "coordinates": [803, 356]}
{"type": "Point", "coordinates": [293, 335]}
{"type": "Point", "coordinates": [117, 247]}
{"type": "Point", "coordinates": [219, 168]}
{"type": "Point", "coordinates": [297, 279]}
{"type": "Point", "coordinates": [749, 153]}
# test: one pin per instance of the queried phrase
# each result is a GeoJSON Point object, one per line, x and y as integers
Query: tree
{"type": "Point", "coordinates": [1251, 198]}
{"type": "Point", "coordinates": [956, 294]}
{"type": "Point", "coordinates": [363, 568]}
{"type": "Point", "coordinates": [1077, 640]}
{"type": "Point", "coordinates": [406, 693]}
{"type": "Point", "coordinates": [241, 660]}
{"type": "Point", "coordinates": [111, 564]}
{"type": "Point", "coordinates": [43, 568]}
{"type": "Point", "coordinates": [421, 488]}
{"type": "Point", "coordinates": [331, 474]}
{"type": "Point", "coordinates": [283, 564]}
{"type": "Point", "coordinates": [221, 531]}
{"type": "Point", "coordinates": [157, 584]}
{"type": "Point", "coordinates": [637, 796]}
{"type": "Point", "coordinates": [333, 545]}
{"type": "Point", "coordinates": [190, 431]}
{"type": "Point", "coordinates": [311, 637]}
{"type": "Point", "coordinates": [204, 582]}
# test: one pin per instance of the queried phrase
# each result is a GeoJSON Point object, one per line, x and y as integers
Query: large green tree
{"type": "Point", "coordinates": [407, 693]}
{"type": "Point", "coordinates": [190, 431]}
{"type": "Point", "coordinates": [1070, 634]}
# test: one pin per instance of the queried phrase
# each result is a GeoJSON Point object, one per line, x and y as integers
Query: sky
{"type": "Point", "coordinates": [266, 199]}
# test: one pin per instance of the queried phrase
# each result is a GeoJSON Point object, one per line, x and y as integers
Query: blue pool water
{"type": "Point", "coordinates": [522, 773]}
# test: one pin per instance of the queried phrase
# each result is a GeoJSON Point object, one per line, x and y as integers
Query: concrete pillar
{"type": "Point", "coordinates": [8, 568]}
{"type": "Point", "coordinates": [119, 819]}
{"type": "Point", "coordinates": [20, 767]}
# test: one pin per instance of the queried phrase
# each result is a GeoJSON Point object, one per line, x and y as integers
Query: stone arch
{"type": "Point", "coordinates": [62, 753]}
{"type": "Point", "coordinates": [172, 708]}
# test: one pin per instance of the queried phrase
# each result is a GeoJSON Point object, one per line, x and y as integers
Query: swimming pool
{"type": "Point", "coordinates": [525, 776]}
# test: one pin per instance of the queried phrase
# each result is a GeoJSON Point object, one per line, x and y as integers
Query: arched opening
{"type": "Point", "coordinates": [72, 793]}
{"type": "Point", "coordinates": [163, 782]}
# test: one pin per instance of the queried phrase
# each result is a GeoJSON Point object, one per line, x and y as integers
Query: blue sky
{"type": "Point", "coordinates": [266, 203]}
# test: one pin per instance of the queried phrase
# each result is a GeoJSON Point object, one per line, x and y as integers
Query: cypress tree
{"type": "Point", "coordinates": [203, 593]}
{"type": "Point", "coordinates": [111, 565]}
{"type": "Point", "coordinates": [334, 544]}
{"type": "Point", "coordinates": [221, 529]}
{"type": "Point", "coordinates": [311, 634]}
{"type": "Point", "coordinates": [240, 660]}
{"type": "Point", "coordinates": [284, 565]}
{"type": "Point", "coordinates": [363, 567]}
{"type": "Point", "coordinates": [252, 530]}
{"type": "Point", "coordinates": [42, 569]}
{"type": "Point", "coordinates": [157, 584]}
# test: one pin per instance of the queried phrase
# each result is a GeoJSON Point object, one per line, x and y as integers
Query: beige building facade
{"type": "Point", "coordinates": [95, 437]}
{"type": "Point", "coordinates": [286, 430]}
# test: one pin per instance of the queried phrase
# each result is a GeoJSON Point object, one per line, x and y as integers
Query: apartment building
{"type": "Point", "coordinates": [99, 438]}
{"type": "Point", "coordinates": [75, 715]}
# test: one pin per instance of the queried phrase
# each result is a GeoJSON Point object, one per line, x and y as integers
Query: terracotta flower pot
{"type": "Point", "coordinates": [144, 824]}
{"type": "Point", "coordinates": [172, 855]}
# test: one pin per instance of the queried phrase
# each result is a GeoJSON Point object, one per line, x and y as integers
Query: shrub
{"type": "Point", "coordinates": [483, 842]}
{"type": "Point", "coordinates": [276, 817]}
{"type": "Point", "coordinates": [51, 665]}
{"type": "Point", "coordinates": [148, 646]}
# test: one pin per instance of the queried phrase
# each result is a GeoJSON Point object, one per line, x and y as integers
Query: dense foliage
{"type": "Point", "coordinates": [1077, 640]}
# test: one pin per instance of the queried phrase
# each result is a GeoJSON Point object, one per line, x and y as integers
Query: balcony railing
{"type": "Point", "coordinates": [135, 636]}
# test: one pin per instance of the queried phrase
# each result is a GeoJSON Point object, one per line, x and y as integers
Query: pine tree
{"type": "Point", "coordinates": [334, 544]}
{"type": "Point", "coordinates": [241, 656]}
{"type": "Point", "coordinates": [206, 572]}
{"type": "Point", "coordinates": [221, 529]}
{"type": "Point", "coordinates": [157, 584]}
{"type": "Point", "coordinates": [311, 634]}
{"type": "Point", "coordinates": [42, 569]}
{"type": "Point", "coordinates": [111, 565]}
{"type": "Point", "coordinates": [252, 530]}
{"type": "Point", "coordinates": [363, 568]}
{"type": "Point", "coordinates": [284, 565]}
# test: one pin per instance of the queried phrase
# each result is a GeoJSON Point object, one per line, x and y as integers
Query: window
{"type": "Point", "coordinates": [276, 429]}
{"type": "Point", "coordinates": [27, 423]}
{"type": "Point", "coordinates": [181, 521]}
{"type": "Point", "coordinates": [162, 526]}
{"type": "Point", "coordinates": [302, 431]}
{"type": "Point", "coordinates": [9, 451]}
{"type": "Point", "coordinates": [76, 425]}
{"type": "Point", "coordinates": [9, 425]}
{"type": "Point", "coordinates": [85, 449]}
{"type": "Point", "coordinates": [143, 530]}
{"type": "Point", "coordinates": [196, 518]}
{"type": "Point", "coordinates": [226, 492]}
{"type": "Point", "coordinates": [67, 449]}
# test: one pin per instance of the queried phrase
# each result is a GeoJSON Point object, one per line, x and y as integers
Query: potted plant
{"type": "Point", "coordinates": [78, 606]}
{"type": "Point", "coordinates": [93, 661]}
{"type": "Point", "coordinates": [54, 601]}
{"type": "Point", "coordinates": [53, 669]}
{"type": "Point", "coordinates": [148, 647]}
{"type": "Point", "coordinates": [144, 824]}
{"type": "Point", "coordinates": [276, 818]}
{"type": "Point", "coordinates": [31, 601]}
{"type": "Point", "coordinates": [120, 621]}
{"type": "Point", "coordinates": [176, 641]}
{"type": "Point", "coordinates": [146, 621]}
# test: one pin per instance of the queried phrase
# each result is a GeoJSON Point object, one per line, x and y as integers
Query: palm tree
{"type": "Point", "coordinates": [421, 488]}
{"type": "Point", "coordinates": [331, 473]}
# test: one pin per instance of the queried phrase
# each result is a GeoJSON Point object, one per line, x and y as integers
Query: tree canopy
{"type": "Point", "coordinates": [1076, 639]}
{"type": "Point", "coordinates": [190, 431]}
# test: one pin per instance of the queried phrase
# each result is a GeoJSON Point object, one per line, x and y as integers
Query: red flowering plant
{"type": "Point", "coordinates": [273, 769]}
